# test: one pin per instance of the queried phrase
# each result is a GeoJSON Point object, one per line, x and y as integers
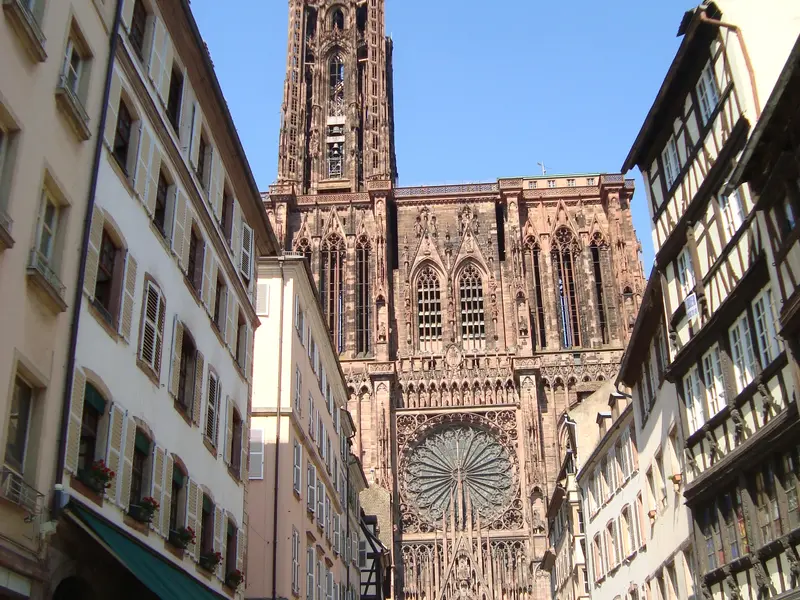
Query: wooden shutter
{"type": "Point", "coordinates": [232, 322]}
{"type": "Point", "coordinates": [158, 485]}
{"type": "Point", "coordinates": [197, 127]}
{"type": "Point", "coordinates": [113, 109]}
{"type": "Point", "coordinates": [153, 172]}
{"type": "Point", "coordinates": [212, 407]}
{"type": "Point", "coordinates": [192, 521]}
{"type": "Point", "coordinates": [128, 297]}
{"type": "Point", "coordinates": [166, 498]}
{"type": "Point", "coordinates": [75, 421]}
{"type": "Point", "coordinates": [245, 450]}
{"type": "Point", "coordinates": [241, 544]}
{"type": "Point", "coordinates": [93, 251]}
{"type": "Point", "coordinates": [127, 461]}
{"type": "Point", "coordinates": [187, 119]}
{"type": "Point", "coordinates": [187, 239]}
{"type": "Point", "coordinates": [198, 388]}
{"type": "Point", "coordinates": [246, 256]}
{"type": "Point", "coordinates": [236, 231]}
{"type": "Point", "coordinates": [311, 487]}
{"type": "Point", "coordinates": [178, 227]}
{"type": "Point", "coordinates": [144, 157]}
{"type": "Point", "coordinates": [157, 51]}
{"type": "Point", "coordinates": [116, 417]}
{"type": "Point", "coordinates": [177, 349]}
{"type": "Point", "coordinates": [167, 56]}
{"type": "Point", "coordinates": [217, 184]}
{"type": "Point", "coordinates": [153, 327]}
{"type": "Point", "coordinates": [218, 537]}
{"type": "Point", "coordinates": [229, 430]}
{"type": "Point", "coordinates": [208, 271]}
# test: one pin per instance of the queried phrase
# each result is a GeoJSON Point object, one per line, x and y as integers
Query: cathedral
{"type": "Point", "coordinates": [468, 318]}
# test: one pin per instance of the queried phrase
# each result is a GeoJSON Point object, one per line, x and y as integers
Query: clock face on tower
{"type": "Point", "coordinates": [463, 466]}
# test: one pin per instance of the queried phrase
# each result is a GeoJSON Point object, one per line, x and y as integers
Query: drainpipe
{"type": "Point", "coordinates": [347, 508]}
{"type": "Point", "coordinates": [76, 304]}
{"type": "Point", "coordinates": [277, 442]}
{"type": "Point", "coordinates": [717, 23]}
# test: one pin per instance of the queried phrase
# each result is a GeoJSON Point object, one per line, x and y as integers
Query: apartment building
{"type": "Point", "coordinates": [732, 372]}
{"type": "Point", "coordinates": [656, 540]}
{"type": "Point", "coordinates": [303, 497]}
{"type": "Point", "coordinates": [152, 473]}
{"type": "Point", "coordinates": [566, 558]}
{"type": "Point", "coordinates": [52, 75]}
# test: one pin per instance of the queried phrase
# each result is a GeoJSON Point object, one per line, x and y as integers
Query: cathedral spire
{"type": "Point", "coordinates": [337, 125]}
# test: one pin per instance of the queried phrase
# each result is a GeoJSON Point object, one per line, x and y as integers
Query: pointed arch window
{"type": "Point", "coordinates": [337, 19]}
{"type": "Point", "coordinates": [473, 324]}
{"type": "Point", "coordinates": [564, 254]}
{"type": "Point", "coordinates": [538, 330]}
{"type": "Point", "coordinates": [598, 249]}
{"type": "Point", "coordinates": [304, 248]}
{"type": "Point", "coordinates": [429, 307]}
{"type": "Point", "coordinates": [363, 321]}
{"type": "Point", "coordinates": [331, 286]}
{"type": "Point", "coordinates": [336, 80]}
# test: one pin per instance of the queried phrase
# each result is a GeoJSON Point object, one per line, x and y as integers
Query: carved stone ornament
{"type": "Point", "coordinates": [453, 356]}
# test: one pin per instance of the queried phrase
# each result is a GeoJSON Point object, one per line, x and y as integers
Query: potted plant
{"type": "Point", "coordinates": [97, 477]}
{"type": "Point", "coordinates": [234, 578]}
{"type": "Point", "coordinates": [145, 510]}
{"type": "Point", "coordinates": [182, 537]}
{"type": "Point", "coordinates": [210, 560]}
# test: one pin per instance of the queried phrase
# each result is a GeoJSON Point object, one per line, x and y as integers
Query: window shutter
{"type": "Point", "coordinates": [157, 51]}
{"type": "Point", "coordinates": [75, 421]}
{"type": "Point", "coordinates": [167, 56]}
{"type": "Point", "coordinates": [223, 548]}
{"type": "Point", "coordinates": [229, 432]}
{"type": "Point", "coordinates": [169, 465]}
{"type": "Point", "coordinates": [152, 300]}
{"type": "Point", "coordinates": [151, 187]}
{"type": "Point", "coordinates": [187, 116]}
{"type": "Point", "coordinates": [211, 407]}
{"type": "Point", "coordinates": [187, 239]}
{"type": "Point", "coordinates": [262, 300]}
{"type": "Point", "coordinates": [198, 388]}
{"type": "Point", "coordinates": [93, 251]}
{"type": "Point", "coordinates": [192, 509]}
{"type": "Point", "coordinates": [212, 288]}
{"type": "Point", "coordinates": [197, 124]}
{"type": "Point", "coordinates": [116, 417]}
{"type": "Point", "coordinates": [320, 503]}
{"type": "Point", "coordinates": [236, 231]}
{"type": "Point", "coordinates": [241, 544]}
{"type": "Point", "coordinates": [208, 270]}
{"type": "Point", "coordinates": [246, 257]}
{"type": "Point", "coordinates": [217, 184]}
{"type": "Point", "coordinates": [144, 158]}
{"type": "Point", "coordinates": [245, 449]}
{"type": "Point", "coordinates": [218, 537]}
{"type": "Point", "coordinates": [128, 297]}
{"type": "Point", "coordinates": [336, 534]}
{"type": "Point", "coordinates": [158, 486]}
{"type": "Point", "coordinates": [113, 108]}
{"type": "Point", "coordinates": [177, 350]}
{"type": "Point", "coordinates": [311, 485]}
{"type": "Point", "coordinates": [178, 228]}
{"type": "Point", "coordinates": [232, 321]}
{"type": "Point", "coordinates": [256, 470]}
{"type": "Point", "coordinates": [127, 462]}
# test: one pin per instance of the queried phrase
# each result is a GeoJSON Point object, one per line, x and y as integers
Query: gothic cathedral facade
{"type": "Point", "coordinates": [468, 318]}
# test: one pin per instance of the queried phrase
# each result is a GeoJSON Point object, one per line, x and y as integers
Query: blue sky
{"type": "Point", "coordinates": [480, 92]}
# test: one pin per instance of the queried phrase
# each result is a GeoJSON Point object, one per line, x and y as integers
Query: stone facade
{"type": "Point", "coordinates": [471, 313]}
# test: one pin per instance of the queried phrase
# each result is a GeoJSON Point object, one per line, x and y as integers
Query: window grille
{"type": "Point", "coordinates": [429, 307]}
{"type": "Point", "coordinates": [473, 325]}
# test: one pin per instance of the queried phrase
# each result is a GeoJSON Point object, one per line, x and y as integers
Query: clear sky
{"type": "Point", "coordinates": [482, 89]}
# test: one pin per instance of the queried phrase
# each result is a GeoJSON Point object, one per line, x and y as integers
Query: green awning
{"type": "Point", "coordinates": [158, 574]}
{"type": "Point", "coordinates": [94, 398]}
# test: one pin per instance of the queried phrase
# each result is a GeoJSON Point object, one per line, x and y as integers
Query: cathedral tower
{"type": "Point", "coordinates": [337, 127]}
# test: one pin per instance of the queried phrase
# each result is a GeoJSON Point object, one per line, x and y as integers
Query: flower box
{"type": "Point", "coordinates": [234, 579]}
{"type": "Point", "coordinates": [182, 537]}
{"type": "Point", "coordinates": [210, 560]}
{"type": "Point", "coordinates": [97, 477]}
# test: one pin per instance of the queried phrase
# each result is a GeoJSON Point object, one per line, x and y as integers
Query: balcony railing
{"type": "Point", "coordinates": [42, 265]}
{"type": "Point", "coordinates": [42, 275]}
{"type": "Point", "coordinates": [14, 488]}
{"type": "Point", "coordinates": [72, 106]}
{"type": "Point", "coordinates": [27, 27]}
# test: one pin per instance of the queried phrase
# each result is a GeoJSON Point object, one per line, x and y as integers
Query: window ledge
{"type": "Point", "coordinates": [235, 475]}
{"type": "Point", "coordinates": [179, 408]}
{"type": "Point", "coordinates": [27, 28]}
{"type": "Point", "coordinates": [102, 318]}
{"type": "Point", "coordinates": [148, 370]}
{"type": "Point", "coordinates": [73, 109]}
{"type": "Point", "coordinates": [77, 485]}
{"type": "Point", "coordinates": [6, 241]}
{"type": "Point", "coordinates": [210, 447]}
{"type": "Point", "coordinates": [46, 282]}
{"type": "Point", "coordinates": [143, 528]}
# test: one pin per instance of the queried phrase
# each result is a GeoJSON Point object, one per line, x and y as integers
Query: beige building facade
{"type": "Point", "coordinates": [52, 79]}
{"type": "Point", "coordinates": [303, 495]}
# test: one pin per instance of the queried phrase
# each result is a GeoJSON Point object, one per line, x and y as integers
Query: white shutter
{"type": "Point", "coordinates": [311, 500]}
{"type": "Point", "coordinates": [75, 421]}
{"type": "Point", "coordinates": [127, 461]}
{"type": "Point", "coordinates": [212, 407]}
{"type": "Point", "coordinates": [116, 433]}
{"type": "Point", "coordinates": [157, 479]}
{"type": "Point", "coordinates": [311, 561]}
{"type": "Point", "coordinates": [246, 256]}
{"type": "Point", "coordinates": [219, 538]}
{"type": "Point", "coordinates": [336, 533]}
{"type": "Point", "coordinates": [169, 465]}
{"type": "Point", "coordinates": [157, 51]}
{"type": "Point", "coordinates": [262, 300]}
{"type": "Point", "coordinates": [128, 296]}
{"type": "Point", "coordinates": [229, 430]}
{"type": "Point", "coordinates": [320, 503]}
{"type": "Point", "coordinates": [192, 513]}
{"type": "Point", "coordinates": [256, 454]}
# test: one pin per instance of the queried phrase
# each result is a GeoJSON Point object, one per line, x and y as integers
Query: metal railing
{"type": "Point", "coordinates": [14, 488]}
{"type": "Point", "coordinates": [41, 265]}
{"type": "Point", "coordinates": [65, 86]}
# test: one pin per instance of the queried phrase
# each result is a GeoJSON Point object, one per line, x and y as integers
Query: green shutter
{"type": "Point", "coordinates": [142, 443]}
{"type": "Point", "coordinates": [94, 399]}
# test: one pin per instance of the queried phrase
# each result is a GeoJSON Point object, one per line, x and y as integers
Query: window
{"type": "Point", "coordinates": [628, 533]}
{"type": "Point", "coordinates": [766, 500]}
{"type": "Point", "coordinates": [48, 229]}
{"type": "Point", "coordinates": [730, 506]}
{"type": "Point", "coordinates": [565, 250]}
{"type": "Point", "coordinates": [160, 213]}
{"type": "Point", "coordinates": [246, 255]}
{"type": "Point", "coordinates": [139, 469]}
{"type": "Point", "coordinates": [363, 298]}
{"type": "Point", "coordinates": [152, 337]}
{"type": "Point", "coordinates": [599, 249]}
{"type": "Point", "coordinates": [295, 561]}
{"type": "Point", "coordinates": [712, 377]}
{"type": "Point", "coordinates": [241, 341]}
{"type": "Point", "coordinates": [429, 308]}
{"type": "Point", "coordinates": [298, 389]}
{"type": "Point", "coordinates": [764, 320]}
{"type": "Point", "coordinates": [694, 399]}
{"type": "Point", "coordinates": [473, 326]}
{"type": "Point", "coordinates": [311, 419]}
{"type": "Point", "coordinates": [707, 93]}
{"type": "Point", "coordinates": [138, 27]}
{"type": "Point", "coordinates": [256, 454]}
{"type": "Point", "coordinates": [236, 443]}
{"type": "Point", "coordinates": [311, 562]}
{"type": "Point", "coordinates": [122, 136]}
{"type": "Point", "coordinates": [570, 183]}
{"type": "Point", "coordinates": [732, 212]}
{"type": "Point", "coordinates": [332, 253]}
{"type": "Point", "coordinates": [337, 20]}
{"type": "Point", "coordinates": [203, 161]}
{"type": "Point", "coordinates": [93, 409]}
{"type": "Point", "coordinates": [311, 487]}
{"type": "Point", "coordinates": [661, 476]}
{"type": "Point", "coordinates": [321, 515]}
{"type": "Point", "coordinates": [539, 331]}
{"type": "Point", "coordinates": [18, 425]}
{"type": "Point", "coordinates": [194, 270]}
{"type": "Point", "coordinates": [671, 161]}
{"type": "Point", "coordinates": [220, 304]}
{"type": "Point", "coordinates": [175, 97]}
{"type": "Point", "coordinates": [187, 374]}
{"type": "Point", "coordinates": [108, 286]}
{"type": "Point", "coordinates": [297, 477]}
{"type": "Point", "coordinates": [551, 183]}
{"type": "Point", "coordinates": [73, 67]}
{"type": "Point", "coordinates": [590, 181]}
{"type": "Point", "coordinates": [789, 477]}
{"type": "Point", "coordinates": [685, 272]}
{"type": "Point", "coordinates": [227, 216]}
{"type": "Point", "coordinates": [744, 359]}
{"type": "Point", "coordinates": [709, 527]}
{"type": "Point", "coordinates": [212, 408]}
{"type": "Point", "coordinates": [231, 547]}
{"type": "Point", "coordinates": [177, 500]}
{"type": "Point", "coordinates": [787, 217]}
{"type": "Point", "coordinates": [207, 527]}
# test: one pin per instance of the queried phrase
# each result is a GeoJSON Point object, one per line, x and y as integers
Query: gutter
{"type": "Point", "coordinates": [277, 442]}
{"type": "Point", "coordinates": [76, 305]}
